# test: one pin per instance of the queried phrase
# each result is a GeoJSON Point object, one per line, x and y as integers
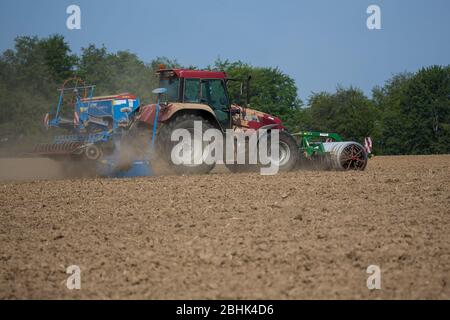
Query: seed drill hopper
{"type": "Point", "coordinates": [96, 133]}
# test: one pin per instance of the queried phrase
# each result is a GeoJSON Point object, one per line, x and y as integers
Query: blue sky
{"type": "Point", "coordinates": [320, 43]}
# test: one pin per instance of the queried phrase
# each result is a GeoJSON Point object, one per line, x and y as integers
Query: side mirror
{"type": "Point", "coordinates": [159, 91]}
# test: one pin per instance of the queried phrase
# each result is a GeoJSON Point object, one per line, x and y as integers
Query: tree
{"type": "Point", "coordinates": [426, 108]}
{"type": "Point", "coordinates": [415, 112]}
{"type": "Point", "coordinates": [389, 137]}
{"type": "Point", "coordinates": [120, 72]}
{"type": "Point", "coordinates": [410, 114]}
{"type": "Point", "coordinates": [29, 76]}
{"type": "Point", "coordinates": [271, 90]}
{"type": "Point", "coordinates": [347, 112]}
{"type": "Point", "coordinates": [95, 69]}
{"type": "Point", "coordinates": [57, 57]}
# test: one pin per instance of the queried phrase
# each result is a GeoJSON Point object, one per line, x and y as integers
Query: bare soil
{"type": "Point", "coordinates": [298, 235]}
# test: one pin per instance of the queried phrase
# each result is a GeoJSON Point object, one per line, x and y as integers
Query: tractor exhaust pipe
{"type": "Point", "coordinates": [248, 91]}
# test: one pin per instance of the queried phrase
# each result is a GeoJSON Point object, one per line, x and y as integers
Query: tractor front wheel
{"type": "Point", "coordinates": [288, 152]}
{"type": "Point", "coordinates": [286, 161]}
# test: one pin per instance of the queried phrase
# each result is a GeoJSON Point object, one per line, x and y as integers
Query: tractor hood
{"type": "Point", "coordinates": [244, 118]}
{"type": "Point", "coordinates": [254, 119]}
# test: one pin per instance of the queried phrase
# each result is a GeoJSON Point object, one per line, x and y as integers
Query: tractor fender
{"type": "Point", "coordinates": [167, 112]}
{"type": "Point", "coordinates": [267, 131]}
{"type": "Point", "coordinates": [263, 134]}
{"type": "Point", "coordinates": [267, 128]}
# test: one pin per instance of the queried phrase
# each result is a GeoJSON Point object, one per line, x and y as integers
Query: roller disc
{"type": "Point", "coordinates": [353, 157]}
{"type": "Point", "coordinates": [345, 156]}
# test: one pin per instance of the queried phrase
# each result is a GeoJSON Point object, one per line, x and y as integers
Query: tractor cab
{"type": "Point", "coordinates": [198, 87]}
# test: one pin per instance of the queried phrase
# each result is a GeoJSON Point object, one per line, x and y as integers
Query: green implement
{"type": "Point", "coordinates": [332, 154]}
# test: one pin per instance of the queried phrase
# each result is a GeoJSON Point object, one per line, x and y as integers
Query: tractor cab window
{"type": "Point", "coordinates": [192, 90]}
{"type": "Point", "coordinates": [172, 85]}
{"type": "Point", "coordinates": [214, 94]}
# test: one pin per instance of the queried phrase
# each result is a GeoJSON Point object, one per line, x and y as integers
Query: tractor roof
{"type": "Point", "coordinates": [196, 74]}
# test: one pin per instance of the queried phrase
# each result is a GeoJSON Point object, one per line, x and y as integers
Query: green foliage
{"type": "Point", "coordinates": [57, 57]}
{"type": "Point", "coordinates": [271, 90]}
{"type": "Point", "coordinates": [426, 106]}
{"type": "Point", "coordinates": [415, 112]}
{"type": "Point", "coordinates": [116, 73]}
{"type": "Point", "coordinates": [31, 73]}
{"type": "Point", "coordinates": [410, 114]}
{"type": "Point", "coordinates": [390, 137]}
{"type": "Point", "coordinates": [347, 112]}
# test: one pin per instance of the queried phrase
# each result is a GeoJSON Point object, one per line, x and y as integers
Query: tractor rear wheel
{"type": "Point", "coordinates": [176, 160]}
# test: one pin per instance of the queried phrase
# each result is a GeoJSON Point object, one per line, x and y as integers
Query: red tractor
{"type": "Point", "coordinates": [193, 95]}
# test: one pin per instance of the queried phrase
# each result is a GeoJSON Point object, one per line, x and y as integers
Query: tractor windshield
{"type": "Point", "coordinates": [172, 86]}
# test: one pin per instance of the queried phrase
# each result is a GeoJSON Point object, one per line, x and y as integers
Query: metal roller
{"type": "Point", "coordinates": [57, 148]}
{"type": "Point", "coordinates": [347, 155]}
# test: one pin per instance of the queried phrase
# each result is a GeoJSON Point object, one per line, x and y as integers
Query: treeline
{"type": "Point", "coordinates": [409, 114]}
